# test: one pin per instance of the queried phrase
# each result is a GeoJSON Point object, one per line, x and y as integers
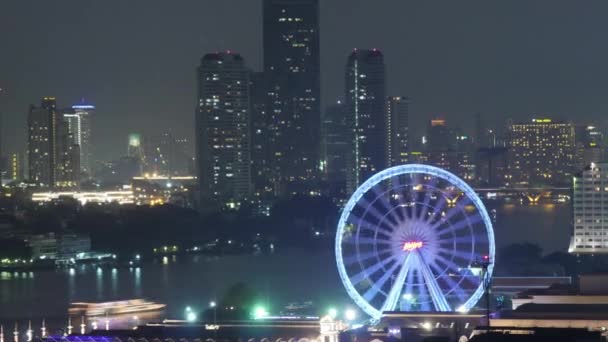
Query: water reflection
{"type": "Point", "coordinates": [114, 282]}
{"type": "Point", "coordinates": [99, 283]}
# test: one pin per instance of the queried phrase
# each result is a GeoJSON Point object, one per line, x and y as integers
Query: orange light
{"type": "Point", "coordinates": [409, 246]}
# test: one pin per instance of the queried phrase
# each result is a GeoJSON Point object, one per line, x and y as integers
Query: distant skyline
{"type": "Point", "coordinates": [136, 60]}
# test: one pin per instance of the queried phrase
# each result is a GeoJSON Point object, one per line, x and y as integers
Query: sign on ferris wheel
{"type": "Point", "coordinates": [412, 238]}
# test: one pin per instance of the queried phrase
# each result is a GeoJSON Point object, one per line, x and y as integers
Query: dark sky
{"type": "Point", "coordinates": [136, 59]}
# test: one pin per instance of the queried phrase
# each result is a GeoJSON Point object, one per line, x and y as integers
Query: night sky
{"type": "Point", "coordinates": [135, 60]}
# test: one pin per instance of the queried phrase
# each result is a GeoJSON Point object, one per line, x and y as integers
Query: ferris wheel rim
{"type": "Point", "coordinates": [404, 170]}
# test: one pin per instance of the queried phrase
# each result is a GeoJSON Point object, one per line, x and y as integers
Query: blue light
{"type": "Point", "coordinates": [401, 262]}
{"type": "Point", "coordinates": [83, 107]}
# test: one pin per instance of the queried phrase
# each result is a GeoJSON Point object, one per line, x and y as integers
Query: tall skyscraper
{"type": "Point", "coordinates": [590, 146]}
{"type": "Point", "coordinates": [337, 144]}
{"type": "Point", "coordinates": [157, 153]}
{"type": "Point", "coordinates": [590, 200]}
{"type": "Point", "coordinates": [366, 108]}
{"type": "Point", "coordinates": [292, 62]}
{"type": "Point", "coordinates": [262, 141]}
{"type": "Point", "coordinates": [397, 116]}
{"type": "Point", "coordinates": [41, 149]}
{"type": "Point", "coordinates": [541, 152]}
{"type": "Point", "coordinates": [78, 119]}
{"type": "Point", "coordinates": [15, 167]}
{"type": "Point", "coordinates": [53, 157]}
{"type": "Point", "coordinates": [223, 129]}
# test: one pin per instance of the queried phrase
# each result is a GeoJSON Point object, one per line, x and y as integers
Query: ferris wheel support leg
{"type": "Point", "coordinates": [439, 300]}
{"type": "Point", "coordinates": [395, 293]}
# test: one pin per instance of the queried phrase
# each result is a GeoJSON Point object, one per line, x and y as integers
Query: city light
{"type": "Point", "coordinates": [332, 312]}
{"type": "Point", "coordinates": [350, 314]}
{"type": "Point", "coordinates": [259, 312]}
{"type": "Point", "coordinates": [191, 317]}
{"type": "Point", "coordinates": [409, 246]}
{"type": "Point", "coordinates": [212, 304]}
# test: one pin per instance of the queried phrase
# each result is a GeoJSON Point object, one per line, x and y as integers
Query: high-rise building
{"type": "Point", "coordinates": [53, 158]}
{"type": "Point", "coordinates": [42, 142]}
{"type": "Point", "coordinates": [590, 146]}
{"type": "Point", "coordinates": [157, 152]}
{"type": "Point", "coordinates": [541, 152]}
{"type": "Point", "coordinates": [15, 167]}
{"type": "Point", "coordinates": [262, 141]}
{"type": "Point", "coordinates": [223, 129]}
{"type": "Point", "coordinates": [590, 208]}
{"type": "Point", "coordinates": [397, 116]}
{"type": "Point", "coordinates": [163, 154]}
{"type": "Point", "coordinates": [181, 159]}
{"type": "Point", "coordinates": [337, 146]}
{"type": "Point", "coordinates": [366, 108]}
{"type": "Point", "coordinates": [450, 149]}
{"type": "Point", "coordinates": [292, 63]}
{"type": "Point", "coordinates": [78, 119]}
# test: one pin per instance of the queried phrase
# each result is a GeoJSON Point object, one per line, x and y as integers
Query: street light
{"type": "Point", "coordinates": [350, 314]}
{"type": "Point", "coordinates": [191, 317]}
{"type": "Point", "coordinates": [260, 312]}
{"type": "Point", "coordinates": [332, 312]}
{"type": "Point", "coordinates": [213, 305]}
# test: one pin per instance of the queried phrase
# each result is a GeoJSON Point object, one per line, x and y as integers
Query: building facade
{"type": "Point", "coordinates": [78, 119]}
{"type": "Point", "coordinates": [365, 102]}
{"type": "Point", "coordinates": [590, 210]}
{"type": "Point", "coordinates": [42, 142]}
{"type": "Point", "coordinates": [397, 116]}
{"type": "Point", "coordinates": [223, 129]}
{"type": "Point", "coordinates": [292, 63]}
{"type": "Point", "coordinates": [541, 152]}
{"type": "Point", "coordinates": [337, 145]}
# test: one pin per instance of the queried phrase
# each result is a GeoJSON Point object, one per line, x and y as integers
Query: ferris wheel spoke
{"type": "Point", "coordinates": [361, 257]}
{"type": "Point", "coordinates": [428, 194]}
{"type": "Point", "coordinates": [468, 256]}
{"type": "Point", "coordinates": [453, 284]}
{"type": "Point", "coordinates": [464, 222]}
{"type": "Point", "coordinates": [373, 211]}
{"type": "Point", "coordinates": [372, 228]}
{"type": "Point", "coordinates": [439, 300]}
{"type": "Point", "coordinates": [438, 208]}
{"type": "Point", "coordinates": [357, 278]}
{"type": "Point", "coordinates": [367, 241]}
{"type": "Point", "coordinates": [395, 293]}
{"type": "Point", "coordinates": [377, 286]}
{"type": "Point", "coordinates": [409, 284]}
{"type": "Point", "coordinates": [448, 238]}
{"type": "Point", "coordinates": [458, 209]}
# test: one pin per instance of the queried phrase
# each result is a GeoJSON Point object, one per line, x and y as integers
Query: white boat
{"type": "Point", "coordinates": [123, 307]}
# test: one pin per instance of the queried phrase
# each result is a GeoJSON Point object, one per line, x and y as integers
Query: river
{"type": "Point", "coordinates": [286, 276]}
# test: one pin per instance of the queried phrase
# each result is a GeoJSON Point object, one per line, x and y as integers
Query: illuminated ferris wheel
{"type": "Point", "coordinates": [413, 238]}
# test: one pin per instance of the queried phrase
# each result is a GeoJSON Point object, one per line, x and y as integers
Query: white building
{"type": "Point", "coordinates": [79, 125]}
{"type": "Point", "coordinates": [590, 209]}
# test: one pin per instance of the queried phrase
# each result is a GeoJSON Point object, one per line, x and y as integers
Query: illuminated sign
{"type": "Point", "coordinates": [410, 246]}
{"type": "Point", "coordinates": [541, 120]}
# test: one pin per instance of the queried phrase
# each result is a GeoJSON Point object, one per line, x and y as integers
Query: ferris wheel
{"type": "Point", "coordinates": [413, 238]}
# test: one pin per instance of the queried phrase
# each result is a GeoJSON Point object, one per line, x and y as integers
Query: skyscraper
{"type": "Point", "coordinates": [42, 142]}
{"type": "Point", "coordinates": [262, 141]}
{"type": "Point", "coordinates": [53, 157]}
{"type": "Point", "coordinates": [366, 110]}
{"type": "Point", "coordinates": [397, 117]}
{"type": "Point", "coordinates": [292, 63]}
{"type": "Point", "coordinates": [79, 125]}
{"type": "Point", "coordinates": [541, 152]}
{"type": "Point", "coordinates": [589, 203]}
{"type": "Point", "coordinates": [337, 144]}
{"type": "Point", "coordinates": [222, 128]}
